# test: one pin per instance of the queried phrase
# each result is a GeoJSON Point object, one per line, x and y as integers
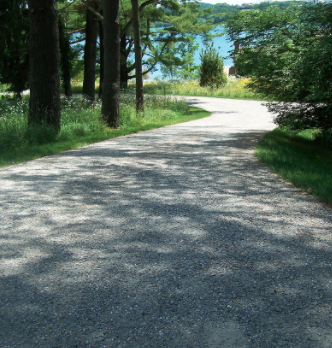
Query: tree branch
{"type": "Point", "coordinates": [132, 67]}
{"type": "Point", "coordinates": [63, 8]}
{"type": "Point", "coordinates": [90, 8]}
{"type": "Point", "coordinates": [77, 41]}
{"type": "Point", "coordinates": [76, 30]}
{"type": "Point", "coordinates": [141, 8]}
{"type": "Point", "coordinates": [145, 71]}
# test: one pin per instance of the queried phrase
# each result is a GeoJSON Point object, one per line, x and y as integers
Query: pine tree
{"type": "Point", "coordinates": [138, 57]}
{"type": "Point", "coordinates": [44, 64]}
{"type": "Point", "coordinates": [212, 69]}
{"type": "Point", "coordinates": [14, 38]}
{"type": "Point", "coordinates": [90, 51]}
{"type": "Point", "coordinates": [111, 83]}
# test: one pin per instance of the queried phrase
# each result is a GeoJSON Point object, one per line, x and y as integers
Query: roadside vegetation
{"type": "Point", "coordinates": [3, 88]}
{"type": "Point", "coordinates": [286, 55]}
{"type": "Point", "coordinates": [81, 125]}
{"type": "Point", "coordinates": [233, 89]}
{"type": "Point", "coordinates": [300, 158]}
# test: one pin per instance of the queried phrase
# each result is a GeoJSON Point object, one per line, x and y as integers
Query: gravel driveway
{"type": "Point", "coordinates": [175, 237]}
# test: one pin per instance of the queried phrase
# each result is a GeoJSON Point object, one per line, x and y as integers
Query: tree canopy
{"type": "Point", "coordinates": [44, 52]}
{"type": "Point", "coordinates": [222, 11]}
{"type": "Point", "coordinates": [14, 37]}
{"type": "Point", "coordinates": [167, 30]}
{"type": "Point", "coordinates": [286, 53]}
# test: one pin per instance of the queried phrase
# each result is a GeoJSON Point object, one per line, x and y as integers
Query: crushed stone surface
{"type": "Point", "coordinates": [175, 237]}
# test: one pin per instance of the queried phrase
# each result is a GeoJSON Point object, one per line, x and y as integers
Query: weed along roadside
{"type": "Point", "coordinates": [300, 159]}
{"type": "Point", "coordinates": [81, 125]}
{"type": "Point", "coordinates": [235, 88]}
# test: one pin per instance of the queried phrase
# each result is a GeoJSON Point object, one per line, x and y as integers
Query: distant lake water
{"type": "Point", "coordinates": [220, 43]}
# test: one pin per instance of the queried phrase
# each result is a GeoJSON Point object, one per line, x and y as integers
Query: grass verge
{"type": "Point", "coordinates": [81, 125]}
{"type": "Point", "coordinates": [297, 158]}
{"type": "Point", "coordinates": [233, 89]}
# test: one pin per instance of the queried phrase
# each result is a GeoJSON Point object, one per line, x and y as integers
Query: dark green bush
{"type": "Point", "coordinates": [324, 138]}
{"type": "Point", "coordinates": [37, 135]}
{"type": "Point", "coordinates": [211, 72]}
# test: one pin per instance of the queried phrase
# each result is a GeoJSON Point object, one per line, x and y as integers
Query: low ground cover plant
{"type": "Point", "coordinates": [81, 124]}
{"type": "Point", "coordinates": [3, 88]}
{"type": "Point", "coordinates": [300, 158]}
{"type": "Point", "coordinates": [234, 89]}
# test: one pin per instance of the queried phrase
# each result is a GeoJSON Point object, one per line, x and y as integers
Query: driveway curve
{"type": "Point", "coordinates": [175, 237]}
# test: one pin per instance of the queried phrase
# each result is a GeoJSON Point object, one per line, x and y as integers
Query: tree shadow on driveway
{"type": "Point", "coordinates": [147, 242]}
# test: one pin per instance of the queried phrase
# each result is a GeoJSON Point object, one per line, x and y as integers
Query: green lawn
{"type": "Point", "coordinates": [233, 89]}
{"type": "Point", "coordinates": [81, 125]}
{"type": "Point", "coordinates": [299, 159]}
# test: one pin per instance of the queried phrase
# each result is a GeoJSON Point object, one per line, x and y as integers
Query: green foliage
{"type": "Point", "coordinates": [39, 134]}
{"type": "Point", "coordinates": [286, 53]}
{"type": "Point", "coordinates": [14, 129]}
{"type": "Point", "coordinates": [167, 35]}
{"type": "Point", "coordinates": [3, 88]}
{"type": "Point", "coordinates": [212, 69]}
{"type": "Point", "coordinates": [297, 158]}
{"type": "Point", "coordinates": [14, 59]}
{"type": "Point", "coordinates": [178, 63]}
{"type": "Point", "coordinates": [221, 12]}
{"type": "Point", "coordinates": [14, 41]}
{"type": "Point", "coordinates": [80, 125]}
{"type": "Point", "coordinates": [13, 122]}
{"type": "Point", "coordinates": [324, 138]}
{"type": "Point", "coordinates": [233, 89]}
{"type": "Point", "coordinates": [78, 70]}
{"type": "Point", "coordinates": [68, 55]}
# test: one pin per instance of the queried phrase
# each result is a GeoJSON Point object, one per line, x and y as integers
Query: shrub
{"type": "Point", "coordinates": [212, 69]}
{"type": "Point", "coordinates": [40, 134]}
{"type": "Point", "coordinates": [324, 138]}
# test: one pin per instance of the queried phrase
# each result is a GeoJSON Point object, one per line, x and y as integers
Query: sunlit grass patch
{"type": "Point", "coordinates": [297, 158]}
{"type": "Point", "coordinates": [234, 89]}
{"type": "Point", "coordinates": [81, 124]}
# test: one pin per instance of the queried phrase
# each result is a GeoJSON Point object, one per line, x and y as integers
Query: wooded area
{"type": "Point", "coordinates": [287, 55]}
{"type": "Point", "coordinates": [101, 26]}
{"type": "Point", "coordinates": [284, 48]}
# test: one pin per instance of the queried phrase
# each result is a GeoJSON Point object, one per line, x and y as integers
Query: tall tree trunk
{"type": "Point", "coordinates": [138, 57]}
{"type": "Point", "coordinates": [111, 85]}
{"type": "Point", "coordinates": [90, 52]}
{"type": "Point", "coordinates": [65, 58]}
{"type": "Point", "coordinates": [102, 62]}
{"type": "Point", "coordinates": [44, 64]}
{"type": "Point", "coordinates": [123, 62]}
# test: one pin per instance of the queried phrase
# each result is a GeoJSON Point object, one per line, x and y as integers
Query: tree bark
{"type": "Point", "coordinates": [44, 64]}
{"type": "Point", "coordinates": [65, 58]}
{"type": "Point", "coordinates": [111, 84]}
{"type": "Point", "coordinates": [90, 52]}
{"type": "Point", "coordinates": [123, 62]}
{"type": "Point", "coordinates": [102, 63]}
{"type": "Point", "coordinates": [138, 57]}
